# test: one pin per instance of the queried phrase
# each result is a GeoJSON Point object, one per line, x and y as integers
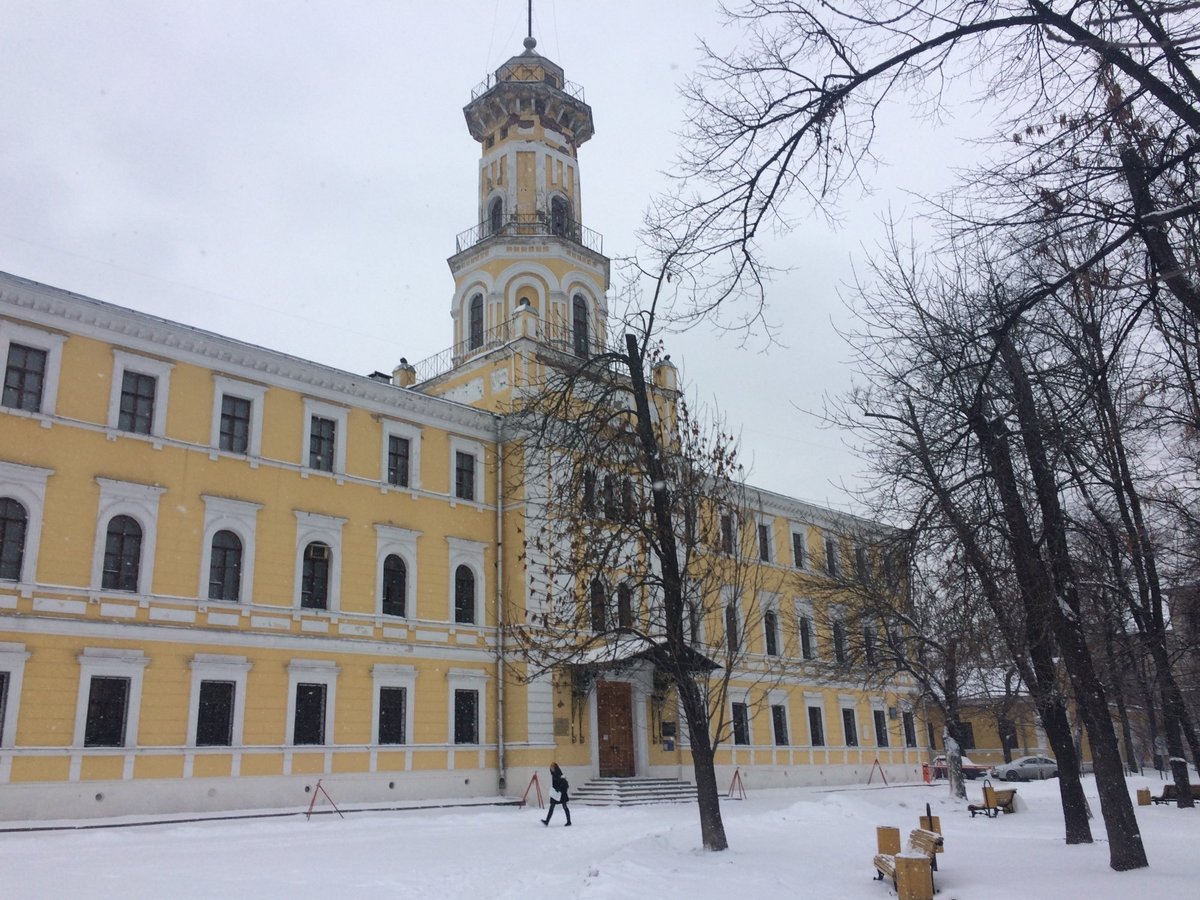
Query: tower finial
{"type": "Point", "coordinates": [530, 40]}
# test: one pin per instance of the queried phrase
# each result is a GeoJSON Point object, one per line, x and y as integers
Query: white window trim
{"type": "Point", "coordinates": [469, 554]}
{"type": "Point", "coordinates": [12, 661]}
{"type": "Point", "coordinates": [27, 485]}
{"type": "Point", "coordinates": [328, 530]}
{"type": "Point", "coordinates": [461, 445]}
{"type": "Point", "coordinates": [14, 333]}
{"type": "Point", "coordinates": [403, 543]}
{"type": "Point", "coordinates": [341, 417]}
{"type": "Point", "coordinates": [103, 661]}
{"type": "Point", "coordinates": [392, 676]}
{"type": "Point", "coordinates": [140, 502]}
{"type": "Point", "coordinates": [468, 680]}
{"type": "Point", "coordinates": [849, 702]}
{"type": "Point", "coordinates": [311, 671]}
{"type": "Point", "coordinates": [781, 698]}
{"type": "Point", "coordinates": [219, 667]}
{"type": "Point", "coordinates": [255, 393]}
{"type": "Point", "coordinates": [143, 365]}
{"type": "Point", "coordinates": [801, 531]}
{"type": "Point", "coordinates": [240, 517]}
{"type": "Point", "coordinates": [392, 428]}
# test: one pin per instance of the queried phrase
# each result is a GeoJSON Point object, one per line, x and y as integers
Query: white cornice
{"type": "Point", "coordinates": [56, 308]}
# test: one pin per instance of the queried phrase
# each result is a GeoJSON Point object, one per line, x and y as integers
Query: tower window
{"type": "Point", "coordinates": [475, 323]}
{"type": "Point", "coordinates": [560, 217]}
{"type": "Point", "coordinates": [495, 216]}
{"type": "Point", "coordinates": [579, 326]}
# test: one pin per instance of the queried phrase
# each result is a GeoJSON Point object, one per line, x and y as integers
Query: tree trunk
{"type": "Point", "coordinates": [708, 798]}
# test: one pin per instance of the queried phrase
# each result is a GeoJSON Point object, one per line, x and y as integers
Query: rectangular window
{"type": "Point", "coordinates": [322, 440]}
{"type": "Point", "coordinates": [862, 566]}
{"type": "Point", "coordinates": [24, 378]}
{"type": "Point", "coordinates": [799, 556]}
{"type": "Point", "coordinates": [850, 727]}
{"type": "Point", "coordinates": [464, 475]}
{"type": "Point", "coordinates": [881, 728]}
{"type": "Point", "coordinates": [214, 719]}
{"type": "Point", "coordinates": [397, 464]}
{"type": "Point", "coordinates": [3, 700]}
{"type": "Point", "coordinates": [779, 724]}
{"type": "Point", "coordinates": [771, 632]}
{"type": "Point", "coordinates": [741, 724]}
{"type": "Point", "coordinates": [839, 642]}
{"type": "Point", "coordinates": [966, 735]}
{"type": "Point", "coordinates": [727, 535]}
{"type": "Point", "coordinates": [108, 703]}
{"type": "Point", "coordinates": [764, 542]}
{"type": "Point", "coordinates": [806, 638]}
{"type": "Point", "coordinates": [235, 423]}
{"type": "Point", "coordinates": [731, 627]}
{"type": "Point", "coordinates": [136, 413]}
{"type": "Point", "coordinates": [392, 702]}
{"type": "Point", "coordinates": [816, 726]}
{"type": "Point", "coordinates": [309, 727]}
{"type": "Point", "coordinates": [466, 717]}
{"type": "Point", "coordinates": [910, 729]}
{"type": "Point", "coordinates": [869, 655]}
{"type": "Point", "coordinates": [832, 564]}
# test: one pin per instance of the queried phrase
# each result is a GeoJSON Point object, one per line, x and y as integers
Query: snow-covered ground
{"type": "Point", "coordinates": [811, 843]}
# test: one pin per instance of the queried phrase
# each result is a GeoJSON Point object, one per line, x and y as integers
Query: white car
{"type": "Point", "coordinates": [1026, 768]}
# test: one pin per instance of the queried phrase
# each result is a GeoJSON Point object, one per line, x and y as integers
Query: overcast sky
{"type": "Point", "coordinates": [293, 174]}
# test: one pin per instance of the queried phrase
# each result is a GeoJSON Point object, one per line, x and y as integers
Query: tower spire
{"type": "Point", "coordinates": [529, 31]}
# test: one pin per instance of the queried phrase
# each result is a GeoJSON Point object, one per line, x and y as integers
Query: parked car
{"type": "Point", "coordinates": [970, 770]}
{"type": "Point", "coordinates": [1026, 768]}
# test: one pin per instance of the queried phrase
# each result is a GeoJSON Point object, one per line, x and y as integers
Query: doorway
{"type": "Point", "coordinates": [614, 728]}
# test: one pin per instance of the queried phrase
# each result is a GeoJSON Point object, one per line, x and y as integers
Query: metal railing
{"type": "Point", "coordinates": [526, 72]}
{"type": "Point", "coordinates": [531, 225]}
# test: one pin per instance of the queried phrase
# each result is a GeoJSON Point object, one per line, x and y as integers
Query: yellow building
{"type": "Point", "coordinates": [226, 572]}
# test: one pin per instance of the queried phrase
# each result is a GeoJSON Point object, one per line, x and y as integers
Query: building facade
{"type": "Point", "coordinates": [226, 572]}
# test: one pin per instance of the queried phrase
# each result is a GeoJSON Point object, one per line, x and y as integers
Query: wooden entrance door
{"type": "Point", "coordinates": [614, 724]}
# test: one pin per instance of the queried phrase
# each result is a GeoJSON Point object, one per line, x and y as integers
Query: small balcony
{"type": "Point", "coordinates": [531, 225]}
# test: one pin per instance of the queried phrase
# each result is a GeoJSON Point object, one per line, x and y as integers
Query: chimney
{"type": "Point", "coordinates": [404, 375]}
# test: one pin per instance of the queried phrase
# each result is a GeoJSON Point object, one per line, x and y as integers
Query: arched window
{"type": "Point", "coordinates": [122, 555]}
{"type": "Point", "coordinates": [475, 323]}
{"type": "Point", "coordinates": [624, 608]}
{"type": "Point", "coordinates": [314, 580]}
{"type": "Point", "coordinates": [495, 220]}
{"type": "Point", "coordinates": [395, 585]}
{"type": "Point", "coordinates": [464, 596]}
{"type": "Point", "coordinates": [560, 216]}
{"type": "Point", "coordinates": [579, 326]}
{"type": "Point", "coordinates": [14, 521]}
{"type": "Point", "coordinates": [598, 606]}
{"type": "Point", "coordinates": [225, 567]}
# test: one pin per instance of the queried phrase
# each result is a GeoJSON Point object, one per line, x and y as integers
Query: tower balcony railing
{"type": "Point", "coordinates": [531, 225]}
{"type": "Point", "coordinates": [526, 72]}
{"type": "Point", "coordinates": [567, 341]}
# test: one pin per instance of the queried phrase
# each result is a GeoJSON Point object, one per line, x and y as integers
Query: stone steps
{"type": "Point", "coordinates": [633, 792]}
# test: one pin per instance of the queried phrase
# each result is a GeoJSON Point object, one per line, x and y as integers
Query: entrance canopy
{"type": "Point", "coordinates": [625, 649]}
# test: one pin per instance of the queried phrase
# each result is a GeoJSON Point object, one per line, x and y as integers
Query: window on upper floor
{"type": "Point", "coordinates": [308, 725]}
{"type": "Point", "coordinates": [235, 423]}
{"type": "Point", "coordinates": [741, 724]}
{"type": "Point", "coordinates": [833, 564]}
{"type": "Point", "coordinates": [395, 585]}
{"type": "Point", "coordinates": [314, 583]}
{"type": "Point", "coordinates": [579, 326]}
{"type": "Point", "coordinates": [624, 607]}
{"type": "Point", "coordinates": [771, 632]}
{"type": "Point", "coordinates": [398, 460]}
{"type": "Point", "coordinates": [728, 534]}
{"type": "Point", "coordinates": [862, 563]}
{"type": "Point", "coordinates": [25, 377]}
{"type": "Point", "coordinates": [225, 567]}
{"type": "Point", "coordinates": [733, 639]}
{"type": "Point", "coordinates": [808, 647]}
{"type": "Point", "coordinates": [475, 323]}
{"type": "Point", "coordinates": [495, 219]}
{"type": "Point", "coordinates": [799, 550]}
{"type": "Point", "coordinates": [612, 509]}
{"type": "Point", "coordinates": [839, 641]}
{"type": "Point", "coordinates": [137, 402]}
{"type": "Point", "coordinates": [464, 596]}
{"type": "Point", "coordinates": [14, 526]}
{"type": "Point", "coordinates": [560, 216]}
{"type": "Point", "coordinates": [598, 606]}
{"type": "Point", "coordinates": [464, 475]}
{"type": "Point", "coordinates": [589, 492]}
{"type": "Point", "coordinates": [764, 541]}
{"type": "Point", "coordinates": [322, 443]}
{"type": "Point", "coordinates": [122, 555]}
{"type": "Point", "coordinates": [870, 655]}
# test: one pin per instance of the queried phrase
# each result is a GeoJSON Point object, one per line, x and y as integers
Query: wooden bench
{"type": "Point", "coordinates": [1171, 795]}
{"type": "Point", "coordinates": [995, 802]}
{"type": "Point", "coordinates": [921, 843]}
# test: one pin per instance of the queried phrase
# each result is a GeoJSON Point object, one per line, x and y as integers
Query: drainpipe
{"type": "Point", "coordinates": [502, 773]}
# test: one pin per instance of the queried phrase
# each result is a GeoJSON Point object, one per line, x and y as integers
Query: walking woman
{"type": "Point", "coordinates": [558, 793]}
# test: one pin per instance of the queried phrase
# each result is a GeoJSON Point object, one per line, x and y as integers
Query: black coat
{"type": "Point", "coordinates": [559, 783]}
